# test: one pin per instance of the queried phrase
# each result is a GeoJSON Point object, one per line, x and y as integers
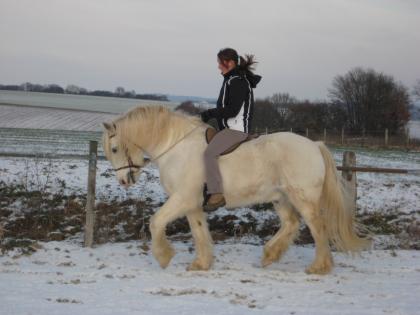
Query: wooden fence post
{"type": "Point", "coordinates": [349, 160]}
{"type": "Point", "coordinates": [325, 135]}
{"type": "Point", "coordinates": [291, 129]}
{"type": "Point", "coordinates": [266, 131]}
{"type": "Point", "coordinates": [342, 136]}
{"type": "Point", "coordinates": [363, 137]}
{"type": "Point", "coordinates": [407, 138]}
{"type": "Point", "coordinates": [90, 200]}
{"type": "Point", "coordinates": [386, 137]}
{"type": "Point", "coordinates": [307, 133]}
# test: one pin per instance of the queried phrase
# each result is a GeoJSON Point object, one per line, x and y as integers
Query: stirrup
{"type": "Point", "coordinates": [214, 207]}
{"type": "Point", "coordinates": [206, 196]}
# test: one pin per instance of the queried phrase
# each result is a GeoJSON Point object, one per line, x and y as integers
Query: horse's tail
{"type": "Point", "coordinates": [339, 210]}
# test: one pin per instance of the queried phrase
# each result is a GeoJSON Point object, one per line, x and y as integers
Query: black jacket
{"type": "Point", "coordinates": [235, 105]}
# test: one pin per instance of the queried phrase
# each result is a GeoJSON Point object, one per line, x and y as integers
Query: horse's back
{"type": "Point", "coordinates": [272, 162]}
{"type": "Point", "coordinates": [281, 145]}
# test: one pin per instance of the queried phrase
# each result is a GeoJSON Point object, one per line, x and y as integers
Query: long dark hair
{"type": "Point", "coordinates": [244, 64]}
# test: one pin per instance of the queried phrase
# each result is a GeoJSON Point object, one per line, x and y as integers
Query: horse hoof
{"type": "Point", "coordinates": [197, 266]}
{"type": "Point", "coordinates": [265, 262]}
{"type": "Point", "coordinates": [269, 258]}
{"type": "Point", "coordinates": [319, 270]}
{"type": "Point", "coordinates": [165, 259]}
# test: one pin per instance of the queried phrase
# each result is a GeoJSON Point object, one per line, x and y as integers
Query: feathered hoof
{"type": "Point", "coordinates": [198, 265]}
{"type": "Point", "coordinates": [320, 269]}
{"type": "Point", "coordinates": [164, 258]}
{"type": "Point", "coordinates": [265, 262]}
{"type": "Point", "coordinates": [270, 257]}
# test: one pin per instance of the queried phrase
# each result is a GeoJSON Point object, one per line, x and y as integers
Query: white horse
{"type": "Point", "coordinates": [294, 173]}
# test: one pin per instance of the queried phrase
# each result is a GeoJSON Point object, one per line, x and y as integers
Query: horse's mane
{"type": "Point", "coordinates": [153, 125]}
{"type": "Point", "coordinates": [144, 112]}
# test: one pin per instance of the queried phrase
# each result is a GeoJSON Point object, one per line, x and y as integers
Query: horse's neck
{"type": "Point", "coordinates": [159, 136]}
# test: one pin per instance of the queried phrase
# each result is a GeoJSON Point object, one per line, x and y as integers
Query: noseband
{"type": "Point", "coordinates": [130, 165]}
{"type": "Point", "coordinates": [129, 160]}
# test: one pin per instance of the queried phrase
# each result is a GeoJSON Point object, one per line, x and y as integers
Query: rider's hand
{"type": "Point", "coordinates": [205, 116]}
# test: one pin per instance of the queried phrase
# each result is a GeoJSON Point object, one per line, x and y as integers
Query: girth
{"type": "Point", "coordinates": [211, 132]}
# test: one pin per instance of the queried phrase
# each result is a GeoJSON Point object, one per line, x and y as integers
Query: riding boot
{"type": "Point", "coordinates": [214, 202]}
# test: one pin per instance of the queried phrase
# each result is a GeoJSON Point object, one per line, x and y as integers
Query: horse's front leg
{"type": "Point", "coordinates": [173, 208]}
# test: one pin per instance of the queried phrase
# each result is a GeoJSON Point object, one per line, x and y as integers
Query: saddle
{"type": "Point", "coordinates": [211, 132]}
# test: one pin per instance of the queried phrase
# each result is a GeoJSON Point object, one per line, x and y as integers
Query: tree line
{"type": "Point", "coordinates": [74, 89]}
{"type": "Point", "coordinates": [360, 100]}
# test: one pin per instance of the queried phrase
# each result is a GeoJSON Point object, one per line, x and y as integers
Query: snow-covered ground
{"type": "Point", "coordinates": [122, 278]}
{"type": "Point", "coordinates": [414, 128]}
{"type": "Point", "coordinates": [387, 192]}
{"type": "Point", "coordinates": [75, 102]}
{"type": "Point", "coordinates": [15, 116]}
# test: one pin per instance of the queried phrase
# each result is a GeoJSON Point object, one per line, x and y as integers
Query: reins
{"type": "Point", "coordinates": [167, 150]}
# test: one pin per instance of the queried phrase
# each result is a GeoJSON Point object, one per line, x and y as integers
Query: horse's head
{"type": "Point", "coordinates": [126, 158]}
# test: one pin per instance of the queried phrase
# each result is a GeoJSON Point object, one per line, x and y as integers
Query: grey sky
{"type": "Point", "coordinates": [171, 46]}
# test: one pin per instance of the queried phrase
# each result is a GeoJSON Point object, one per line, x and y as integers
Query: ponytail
{"type": "Point", "coordinates": [246, 64]}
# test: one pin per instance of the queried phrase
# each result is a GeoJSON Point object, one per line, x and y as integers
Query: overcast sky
{"type": "Point", "coordinates": [170, 46]}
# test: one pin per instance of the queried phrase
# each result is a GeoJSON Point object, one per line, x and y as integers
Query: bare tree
{"type": "Point", "coordinates": [27, 86]}
{"type": "Point", "coordinates": [265, 116]}
{"type": "Point", "coordinates": [119, 91]}
{"type": "Point", "coordinates": [373, 100]}
{"type": "Point", "coordinates": [72, 89]}
{"type": "Point", "coordinates": [278, 99]}
{"type": "Point", "coordinates": [416, 90]}
{"type": "Point", "coordinates": [281, 102]}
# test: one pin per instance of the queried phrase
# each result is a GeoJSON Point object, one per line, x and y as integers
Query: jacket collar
{"type": "Point", "coordinates": [252, 78]}
{"type": "Point", "coordinates": [233, 71]}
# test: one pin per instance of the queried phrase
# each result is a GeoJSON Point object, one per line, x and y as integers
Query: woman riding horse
{"type": "Point", "coordinates": [234, 110]}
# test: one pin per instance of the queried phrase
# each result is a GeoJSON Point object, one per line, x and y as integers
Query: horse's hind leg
{"type": "Point", "coordinates": [313, 217]}
{"type": "Point", "coordinates": [202, 239]}
{"type": "Point", "coordinates": [278, 245]}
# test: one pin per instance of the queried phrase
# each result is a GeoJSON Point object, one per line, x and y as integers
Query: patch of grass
{"type": "Point", "coordinates": [25, 246]}
{"type": "Point", "coordinates": [381, 223]}
{"type": "Point", "coordinates": [30, 216]}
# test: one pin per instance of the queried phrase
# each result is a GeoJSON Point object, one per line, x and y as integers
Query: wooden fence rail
{"type": "Point", "coordinates": [377, 138]}
{"type": "Point", "coordinates": [379, 170]}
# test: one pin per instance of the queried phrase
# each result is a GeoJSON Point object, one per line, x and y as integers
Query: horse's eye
{"type": "Point", "coordinates": [114, 150]}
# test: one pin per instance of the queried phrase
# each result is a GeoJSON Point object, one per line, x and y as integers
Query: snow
{"type": "Point", "coordinates": [74, 174]}
{"type": "Point", "coordinates": [414, 129]}
{"type": "Point", "coordinates": [123, 278]}
{"type": "Point", "coordinates": [12, 116]}
{"type": "Point", "coordinates": [387, 192]}
{"type": "Point", "coordinates": [91, 103]}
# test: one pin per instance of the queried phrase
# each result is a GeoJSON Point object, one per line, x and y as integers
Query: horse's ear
{"type": "Point", "coordinates": [109, 127]}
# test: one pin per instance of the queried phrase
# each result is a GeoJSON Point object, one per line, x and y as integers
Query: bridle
{"type": "Point", "coordinates": [130, 164]}
{"type": "Point", "coordinates": [147, 161]}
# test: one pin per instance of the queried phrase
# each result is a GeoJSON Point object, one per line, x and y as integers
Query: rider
{"type": "Point", "coordinates": [234, 110]}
